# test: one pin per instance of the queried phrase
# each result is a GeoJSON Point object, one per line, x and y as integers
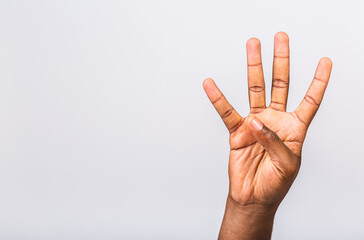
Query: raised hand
{"type": "Point", "coordinates": [265, 147]}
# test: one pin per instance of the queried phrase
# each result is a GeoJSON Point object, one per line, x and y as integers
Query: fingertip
{"type": "Point", "coordinates": [281, 36]}
{"type": "Point", "coordinates": [252, 42]}
{"type": "Point", "coordinates": [211, 89]}
{"type": "Point", "coordinates": [323, 70]}
{"type": "Point", "coordinates": [281, 45]}
{"type": "Point", "coordinates": [256, 124]}
{"type": "Point", "coordinates": [326, 61]}
{"type": "Point", "coordinates": [207, 82]}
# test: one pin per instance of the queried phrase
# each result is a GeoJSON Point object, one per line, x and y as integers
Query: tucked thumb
{"type": "Point", "coordinates": [277, 150]}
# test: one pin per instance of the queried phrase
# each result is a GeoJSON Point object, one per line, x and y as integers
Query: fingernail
{"type": "Point", "coordinates": [256, 124]}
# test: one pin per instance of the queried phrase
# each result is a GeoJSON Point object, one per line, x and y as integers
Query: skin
{"type": "Point", "coordinates": [265, 146]}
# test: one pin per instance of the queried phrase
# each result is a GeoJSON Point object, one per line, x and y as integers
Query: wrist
{"type": "Point", "coordinates": [252, 221]}
{"type": "Point", "coordinates": [251, 209]}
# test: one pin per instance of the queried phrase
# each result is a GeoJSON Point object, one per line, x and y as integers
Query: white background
{"type": "Point", "coordinates": [106, 132]}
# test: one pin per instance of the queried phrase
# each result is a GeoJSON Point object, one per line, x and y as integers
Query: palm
{"type": "Point", "coordinates": [255, 175]}
{"type": "Point", "coordinates": [252, 185]}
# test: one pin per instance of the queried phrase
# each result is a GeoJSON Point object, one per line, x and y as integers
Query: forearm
{"type": "Point", "coordinates": [247, 222]}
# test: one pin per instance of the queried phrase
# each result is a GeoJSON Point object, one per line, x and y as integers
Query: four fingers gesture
{"type": "Point", "coordinates": [266, 145]}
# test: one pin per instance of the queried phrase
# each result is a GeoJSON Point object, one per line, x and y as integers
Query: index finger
{"type": "Point", "coordinates": [312, 100]}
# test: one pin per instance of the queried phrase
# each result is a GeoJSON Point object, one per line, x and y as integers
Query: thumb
{"type": "Point", "coordinates": [282, 157]}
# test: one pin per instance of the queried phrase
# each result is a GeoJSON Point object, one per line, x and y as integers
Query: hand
{"type": "Point", "coordinates": [265, 147]}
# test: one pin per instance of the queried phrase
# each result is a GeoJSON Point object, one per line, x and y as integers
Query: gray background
{"type": "Point", "coordinates": [106, 132]}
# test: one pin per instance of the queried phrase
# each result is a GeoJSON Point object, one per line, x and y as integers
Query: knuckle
{"type": "Point", "coordinates": [279, 83]}
{"type": "Point", "coordinates": [274, 137]}
{"type": "Point", "coordinates": [256, 89]}
{"type": "Point", "coordinates": [311, 100]}
{"type": "Point", "coordinates": [270, 135]}
{"type": "Point", "coordinates": [227, 113]}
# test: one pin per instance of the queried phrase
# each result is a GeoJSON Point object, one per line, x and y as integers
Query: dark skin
{"type": "Point", "coordinates": [265, 146]}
